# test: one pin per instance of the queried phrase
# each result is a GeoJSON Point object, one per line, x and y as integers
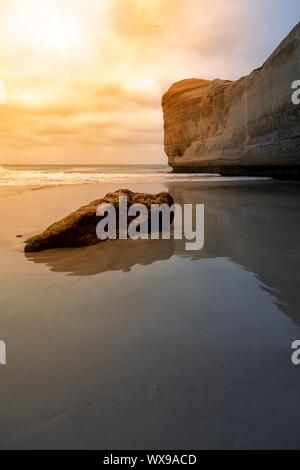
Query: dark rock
{"type": "Point", "coordinates": [79, 228]}
{"type": "Point", "coordinates": [247, 127]}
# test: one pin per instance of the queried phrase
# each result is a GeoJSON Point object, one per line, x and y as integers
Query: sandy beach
{"type": "Point", "coordinates": [173, 123]}
{"type": "Point", "coordinates": [141, 343]}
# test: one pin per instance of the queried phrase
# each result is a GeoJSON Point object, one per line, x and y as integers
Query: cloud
{"type": "Point", "coordinates": [94, 94]}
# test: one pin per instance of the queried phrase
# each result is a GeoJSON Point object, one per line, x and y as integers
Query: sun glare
{"type": "Point", "coordinates": [42, 26]}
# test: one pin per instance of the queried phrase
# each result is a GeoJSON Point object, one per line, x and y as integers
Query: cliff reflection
{"type": "Point", "coordinates": [257, 225]}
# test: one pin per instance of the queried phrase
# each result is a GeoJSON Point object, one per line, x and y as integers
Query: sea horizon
{"type": "Point", "coordinates": [67, 174]}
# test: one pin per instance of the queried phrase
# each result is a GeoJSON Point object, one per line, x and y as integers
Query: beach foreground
{"type": "Point", "coordinates": [141, 344]}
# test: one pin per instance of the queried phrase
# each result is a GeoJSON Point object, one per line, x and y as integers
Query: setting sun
{"type": "Point", "coordinates": [43, 26]}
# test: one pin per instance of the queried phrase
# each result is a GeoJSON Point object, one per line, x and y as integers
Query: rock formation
{"type": "Point", "coordinates": [246, 127]}
{"type": "Point", "coordinates": [79, 228]}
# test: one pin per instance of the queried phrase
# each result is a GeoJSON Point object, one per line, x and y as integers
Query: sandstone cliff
{"type": "Point", "coordinates": [246, 127]}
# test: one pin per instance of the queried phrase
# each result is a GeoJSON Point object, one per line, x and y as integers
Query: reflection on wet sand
{"type": "Point", "coordinates": [254, 223]}
{"type": "Point", "coordinates": [185, 353]}
{"type": "Point", "coordinates": [117, 255]}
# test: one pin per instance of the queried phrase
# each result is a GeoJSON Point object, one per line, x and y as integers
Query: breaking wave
{"type": "Point", "coordinates": [65, 175]}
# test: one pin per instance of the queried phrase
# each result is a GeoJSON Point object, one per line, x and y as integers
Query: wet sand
{"type": "Point", "coordinates": [141, 344]}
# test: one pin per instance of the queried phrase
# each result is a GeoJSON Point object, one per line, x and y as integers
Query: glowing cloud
{"type": "Point", "coordinates": [84, 78]}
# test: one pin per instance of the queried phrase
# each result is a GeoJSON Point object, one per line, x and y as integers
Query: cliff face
{"type": "Point", "coordinates": [246, 127]}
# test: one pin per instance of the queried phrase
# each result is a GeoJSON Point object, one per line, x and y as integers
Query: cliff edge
{"type": "Point", "coordinates": [245, 127]}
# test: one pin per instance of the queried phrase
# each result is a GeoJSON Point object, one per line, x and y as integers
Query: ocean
{"type": "Point", "coordinates": [56, 175]}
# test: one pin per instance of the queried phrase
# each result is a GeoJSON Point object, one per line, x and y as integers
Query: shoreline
{"type": "Point", "coordinates": [18, 189]}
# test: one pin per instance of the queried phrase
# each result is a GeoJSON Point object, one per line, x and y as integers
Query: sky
{"type": "Point", "coordinates": [84, 78]}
